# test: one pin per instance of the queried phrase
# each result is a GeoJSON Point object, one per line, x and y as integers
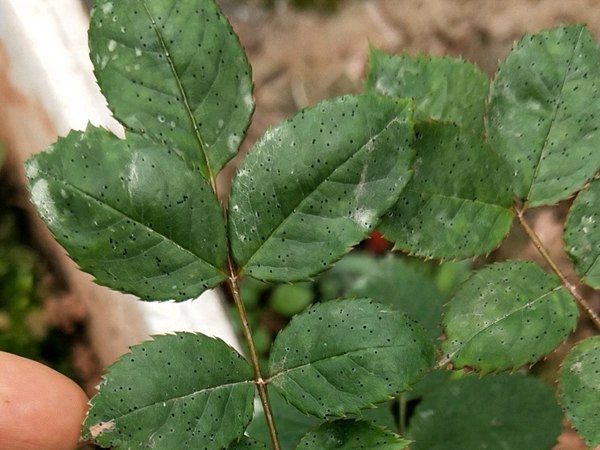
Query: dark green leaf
{"type": "Point", "coordinates": [291, 423]}
{"type": "Point", "coordinates": [457, 204]}
{"type": "Point", "coordinates": [247, 443]}
{"type": "Point", "coordinates": [317, 184]}
{"type": "Point", "coordinates": [177, 391]}
{"type": "Point", "coordinates": [544, 105]}
{"type": "Point", "coordinates": [351, 434]}
{"type": "Point", "coordinates": [392, 281]}
{"type": "Point", "coordinates": [131, 213]}
{"type": "Point", "coordinates": [507, 315]}
{"type": "Point", "coordinates": [341, 356]}
{"type": "Point", "coordinates": [445, 89]}
{"type": "Point", "coordinates": [579, 387]}
{"type": "Point", "coordinates": [496, 412]}
{"type": "Point", "coordinates": [174, 70]}
{"type": "Point", "coordinates": [382, 415]}
{"type": "Point", "coordinates": [582, 235]}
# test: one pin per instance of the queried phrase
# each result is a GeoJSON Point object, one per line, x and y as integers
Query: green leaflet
{"type": "Point", "coordinates": [177, 391]}
{"type": "Point", "coordinates": [513, 412]}
{"type": "Point", "coordinates": [507, 315]}
{"type": "Point", "coordinates": [351, 434]}
{"type": "Point", "coordinates": [444, 88]}
{"type": "Point", "coordinates": [316, 185]}
{"type": "Point", "coordinates": [391, 281]}
{"type": "Point", "coordinates": [247, 443]}
{"type": "Point", "coordinates": [458, 202]}
{"type": "Point", "coordinates": [579, 388]}
{"type": "Point", "coordinates": [131, 213]}
{"type": "Point", "coordinates": [175, 71]}
{"type": "Point", "coordinates": [341, 356]}
{"type": "Point", "coordinates": [582, 234]}
{"type": "Point", "coordinates": [544, 105]}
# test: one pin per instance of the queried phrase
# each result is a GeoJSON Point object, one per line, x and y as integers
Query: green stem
{"type": "Point", "coordinates": [402, 414]}
{"type": "Point", "coordinates": [261, 384]}
{"type": "Point", "coordinates": [563, 279]}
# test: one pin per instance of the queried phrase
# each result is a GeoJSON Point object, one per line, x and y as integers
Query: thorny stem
{"type": "Point", "coordinates": [565, 282]}
{"type": "Point", "coordinates": [261, 384]}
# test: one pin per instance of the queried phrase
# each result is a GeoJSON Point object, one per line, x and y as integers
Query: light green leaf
{"type": "Point", "coordinates": [291, 299]}
{"type": "Point", "coordinates": [579, 388]}
{"type": "Point", "coordinates": [351, 434]}
{"type": "Point", "coordinates": [177, 391]}
{"type": "Point", "coordinates": [291, 423]}
{"type": "Point", "coordinates": [544, 105]}
{"type": "Point", "coordinates": [131, 213]}
{"type": "Point", "coordinates": [444, 88]}
{"type": "Point", "coordinates": [507, 315]}
{"type": "Point", "coordinates": [496, 412]}
{"type": "Point", "coordinates": [175, 71]}
{"type": "Point", "coordinates": [341, 356]}
{"type": "Point", "coordinates": [457, 205]}
{"type": "Point", "coordinates": [391, 281]}
{"type": "Point", "coordinates": [317, 184]}
{"type": "Point", "coordinates": [582, 234]}
{"type": "Point", "coordinates": [247, 443]}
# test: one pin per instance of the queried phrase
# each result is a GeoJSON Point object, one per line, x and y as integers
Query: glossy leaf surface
{"type": "Point", "coordinates": [458, 202]}
{"type": "Point", "coordinates": [391, 281]}
{"type": "Point", "coordinates": [507, 315]}
{"type": "Point", "coordinates": [341, 356]}
{"type": "Point", "coordinates": [579, 387]}
{"type": "Point", "coordinates": [582, 235]}
{"type": "Point", "coordinates": [444, 88]}
{"type": "Point", "coordinates": [495, 412]}
{"type": "Point", "coordinates": [175, 71]}
{"type": "Point", "coordinates": [131, 213]}
{"type": "Point", "coordinates": [177, 391]}
{"type": "Point", "coordinates": [316, 185]}
{"type": "Point", "coordinates": [544, 105]}
{"type": "Point", "coordinates": [351, 434]}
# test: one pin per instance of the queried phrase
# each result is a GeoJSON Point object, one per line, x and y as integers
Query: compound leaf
{"type": "Point", "coordinates": [247, 443]}
{"type": "Point", "coordinates": [175, 71]}
{"type": "Point", "coordinates": [351, 434]}
{"type": "Point", "coordinates": [582, 234]}
{"type": "Point", "coordinates": [507, 315]}
{"type": "Point", "coordinates": [130, 213]}
{"type": "Point", "coordinates": [579, 388]}
{"type": "Point", "coordinates": [391, 281]}
{"type": "Point", "coordinates": [497, 412]}
{"type": "Point", "coordinates": [341, 356]}
{"type": "Point", "coordinates": [317, 184]}
{"type": "Point", "coordinates": [544, 105]}
{"type": "Point", "coordinates": [457, 204]}
{"type": "Point", "coordinates": [177, 391]}
{"type": "Point", "coordinates": [444, 88]}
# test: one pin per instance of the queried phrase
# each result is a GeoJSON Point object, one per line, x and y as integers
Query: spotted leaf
{"type": "Point", "coordinates": [341, 356]}
{"type": "Point", "coordinates": [175, 71]}
{"type": "Point", "coordinates": [507, 315]}
{"type": "Point", "coordinates": [177, 391]}
{"type": "Point", "coordinates": [131, 213]}
{"type": "Point", "coordinates": [543, 113]}
{"type": "Point", "coordinates": [247, 443]}
{"type": "Point", "coordinates": [582, 235]}
{"type": "Point", "coordinates": [316, 185]}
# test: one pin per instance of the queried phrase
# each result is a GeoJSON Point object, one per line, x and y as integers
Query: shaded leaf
{"type": "Point", "coordinates": [392, 281]}
{"type": "Point", "coordinates": [579, 388]}
{"type": "Point", "coordinates": [544, 105]}
{"type": "Point", "coordinates": [131, 213]}
{"type": "Point", "coordinates": [507, 315]}
{"type": "Point", "coordinates": [291, 423]}
{"type": "Point", "coordinates": [247, 443]}
{"type": "Point", "coordinates": [457, 204]}
{"type": "Point", "coordinates": [582, 235]}
{"type": "Point", "coordinates": [175, 71]}
{"type": "Point", "coordinates": [341, 356]}
{"type": "Point", "coordinates": [317, 184]}
{"type": "Point", "coordinates": [291, 299]}
{"type": "Point", "coordinates": [444, 88]}
{"type": "Point", "coordinates": [351, 434]}
{"type": "Point", "coordinates": [177, 391]}
{"type": "Point", "coordinates": [496, 412]}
